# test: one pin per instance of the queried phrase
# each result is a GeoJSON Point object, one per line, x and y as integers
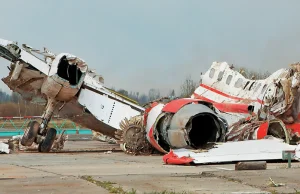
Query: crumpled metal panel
{"type": "Point", "coordinates": [75, 112]}
{"type": "Point", "coordinates": [253, 129]}
{"type": "Point", "coordinates": [243, 130]}
{"type": "Point", "coordinates": [264, 149]}
{"type": "Point", "coordinates": [72, 59]}
{"type": "Point", "coordinates": [106, 110]}
{"type": "Point", "coordinates": [4, 148]}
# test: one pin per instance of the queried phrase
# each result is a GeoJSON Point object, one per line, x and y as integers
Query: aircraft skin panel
{"type": "Point", "coordinates": [43, 77]}
{"type": "Point", "coordinates": [276, 97]}
{"type": "Point", "coordinates": [265, 149]}
{"type": "Point", "coordinates": [107, 110]}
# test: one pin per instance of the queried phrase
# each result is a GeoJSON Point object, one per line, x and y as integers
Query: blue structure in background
{"type": "Point", "coordinates": [67, 132]}
{"type": "Point", "coordinates": [20, 130]}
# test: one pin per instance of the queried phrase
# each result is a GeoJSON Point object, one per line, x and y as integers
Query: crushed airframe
{"type": "Point", "coordinates": [64, 82]}
{"type": "Point", "coordinates": [170, 124]}
{"type": "Point", "coordinates": [264, 112]}
{"type": "Point", "coordinates": [251, 109]}
{"type": "Point", "coordinates": [273, 103]}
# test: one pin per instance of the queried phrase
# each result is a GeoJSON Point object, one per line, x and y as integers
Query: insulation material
{"type": "Point", "coordinates": [4, 148]}
{"type": "Point", "coordinates": [104, 138]}
{"type": "Point", "coordinates": [252, 150]}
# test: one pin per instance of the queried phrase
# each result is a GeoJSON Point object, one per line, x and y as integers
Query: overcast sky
{"type": "Point", "coordinates": [138, 45]}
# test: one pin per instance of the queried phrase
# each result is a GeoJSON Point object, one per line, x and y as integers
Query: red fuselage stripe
{"type": "Point", "coordinates": [226, 107]}
{"type": "Point", "coordinates": [227, 95]}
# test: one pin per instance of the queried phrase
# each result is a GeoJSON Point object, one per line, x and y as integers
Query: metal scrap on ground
{"type": "Point", "coordinates": [265, 149]}
{"type": "Point", "coordinates": [16, 145]}
{"type": "Point", "coordinates": [268, 107]}
{"type": "Point", "coordinates": [4, 148]}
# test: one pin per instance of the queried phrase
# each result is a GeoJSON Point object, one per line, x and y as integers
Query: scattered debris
{"type": "Point", "coordinates": [251, 128]}
{"type": "Point", "coordinates": [108, 152]}
{"type": "Point", "coordinates": [63, 82]}
{"type": "Point", "coordinates": [276, 184]}
{"type": "Point", "coordinates": [4, 148]}
{"type": "Point", "coordinates": [59, 141]}
{"type": "Point", "coordinates": [172, 124]}
{"type": "Point", "coordinates": [16, 145]}
{"type": "Point", "coordinates": [264, 149]}
{"type": "Point", "coordinates": [171, 158]}
{"type": "Point", "coordinates": [103, 138]}
{"type": "Point", "coordinates": [256, 165]}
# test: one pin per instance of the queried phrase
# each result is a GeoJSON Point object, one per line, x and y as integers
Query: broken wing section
{"type": "Point", "coordinates": [105, 109]}
{"type": "Point", "coordinates": [27, 72]}
{"type": "Point", "coordinates": [99, 109]}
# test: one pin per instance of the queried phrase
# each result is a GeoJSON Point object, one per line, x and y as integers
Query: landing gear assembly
{"type": "Point", "coordinates": [40, 133]}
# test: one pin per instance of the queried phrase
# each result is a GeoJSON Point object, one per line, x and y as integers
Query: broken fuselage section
{"type": "Point", "coordinates": [62, 82]}
{"type": "Point", "coordinates": [273, 102]}
{"type": "Point", "coordinates": [180, 123]}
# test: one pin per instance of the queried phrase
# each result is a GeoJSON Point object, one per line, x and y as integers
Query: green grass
{"type": "Point", "coordinates": [110, 186]}
{"type": "Point", "coordinates": [168, 192]}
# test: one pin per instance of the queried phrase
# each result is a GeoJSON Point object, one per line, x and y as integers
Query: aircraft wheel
{"type": "Point", "coordinates": [30, 133]}
{"type": "Point", "coordinates": [46, 145]}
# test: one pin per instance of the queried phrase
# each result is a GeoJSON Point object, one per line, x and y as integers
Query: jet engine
{"type": "Point", "coordinates": [181, 123]}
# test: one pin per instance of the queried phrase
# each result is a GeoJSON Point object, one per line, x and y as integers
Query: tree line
{"type": "Point", "coordinates": [13, 105]}
{"type": "Point", "coordinates": [187, 88]}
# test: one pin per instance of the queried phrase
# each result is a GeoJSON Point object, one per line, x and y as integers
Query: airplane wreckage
{"type": "Point", "coordinates": [225, 107]}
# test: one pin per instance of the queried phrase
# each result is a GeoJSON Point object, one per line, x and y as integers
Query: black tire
{"type": "Point", "coordinates": [46, 145]}
{"type": "Point", "coordinates": [30, 133]}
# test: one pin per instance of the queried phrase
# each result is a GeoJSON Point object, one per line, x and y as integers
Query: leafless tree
{"type": "Point", "coordinates": [172, 93]}
{"type": "Point", "coordinates": [250, 74]}
{"type": "Point", "coordinates": [187, 87]}
{"type": "Point", "coordinates": [153, 94]}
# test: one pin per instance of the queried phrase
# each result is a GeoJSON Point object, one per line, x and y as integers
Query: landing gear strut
{"type": "Point", "coordinates": [39, 133]}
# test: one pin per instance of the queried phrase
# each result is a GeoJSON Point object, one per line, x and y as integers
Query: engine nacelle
{"type": "Point", "coordinates": [184, 123]}
{"type": "Point", "coordinates": [65, 78]}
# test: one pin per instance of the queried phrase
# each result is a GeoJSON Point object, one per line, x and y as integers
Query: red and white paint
{"type": "Point", "coordinates": [232, 93]}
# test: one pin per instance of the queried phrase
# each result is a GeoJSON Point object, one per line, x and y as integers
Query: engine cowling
{"type": "Point", "coordinates": [184, 123]}
{"type": "Point", "coordinates": [65, 78]}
